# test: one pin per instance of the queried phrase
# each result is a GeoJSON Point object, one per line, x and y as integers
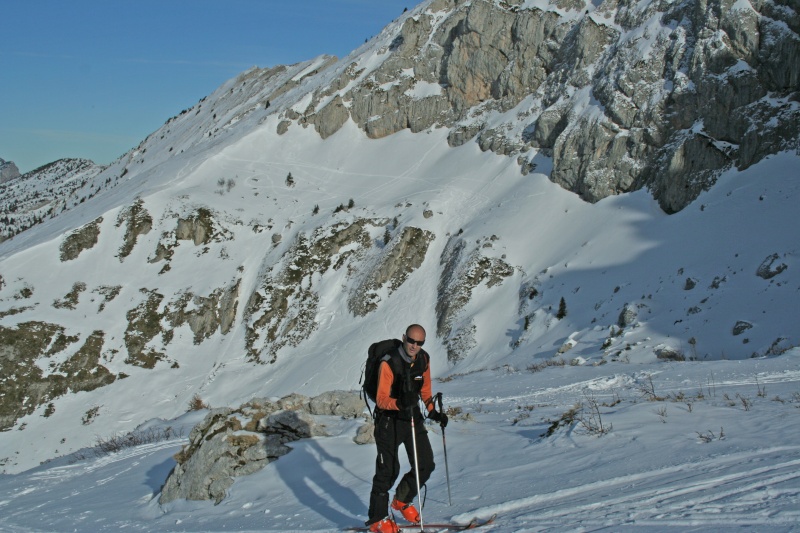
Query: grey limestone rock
{"type": "Point", "coordinates": [8, 171]}
{"type": "Point", "coordinates": [628, 316]}
{"type": "Point", "coordinates": [619, 104]}
{"type": "Point", "coordinates": [230, 443]}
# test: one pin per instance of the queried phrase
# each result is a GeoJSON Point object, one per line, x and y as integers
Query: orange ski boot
{"type": "Point", "coordinates": [387, 525]}
{"type": "Point", "coordinates": [408, 511]}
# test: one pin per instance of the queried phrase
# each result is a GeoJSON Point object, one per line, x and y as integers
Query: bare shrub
{"type": "Point", "coordinates": [712, 387]}
{"type": "Point", "coordinates": [538, 367]}
{"type": "Point", "coordinates": [197, 403]}
{"type": "Point", "coordinates": [452, 412]}
{"type": "Point", "coordinates": [648, 390]}
{"type": "Point", "coordinates": [746, 402]}
{"type": "Point", "coordinates": [525, 413]}
{"type": "Point", "coordinates": [727, 398]}
{"type": "Point", "coordinates": [762, 389]}
{"type": "Point", "coordinates": [589, 415]}
{"type": "Point", "coordinates": [709, 436]}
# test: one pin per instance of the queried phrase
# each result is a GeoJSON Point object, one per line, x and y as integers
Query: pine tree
{"type": "Point", "coordinates": [562, 309]}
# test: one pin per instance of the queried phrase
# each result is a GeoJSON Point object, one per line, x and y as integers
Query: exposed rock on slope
{"type": "Point", "coordinates": [26, 386]}
{"type": "Point", "coordinates": [626, 95]}
{"type": "Point", "coordinates": [402, 256]}
{"type": "Point", "coordinates": [137, 222]}
{"type": "Point", "coordinates": [79, 240]}
{"type": "Point", "coordinates": [461, 272]}
{"type": "Point", "coordinates": [236, 442]}
{"type": "Point", "coordinates": [282, 309]}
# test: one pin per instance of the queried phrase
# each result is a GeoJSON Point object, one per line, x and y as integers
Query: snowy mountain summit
{"type": "Point", "coordinates": [603, 191]}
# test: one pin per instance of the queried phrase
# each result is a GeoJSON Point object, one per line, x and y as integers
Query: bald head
{"type": "Point", "coordinates": [414, 339]}
{"type": "Point", "coordinates": [415, 329]}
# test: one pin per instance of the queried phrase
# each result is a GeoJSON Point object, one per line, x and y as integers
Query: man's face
{"type": "Point", "coordinates": [413, 340]}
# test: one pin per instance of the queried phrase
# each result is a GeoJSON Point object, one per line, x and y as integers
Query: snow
{"type": "Point", "coordinates": [315, 64]}
{"type": "Point", "coordinates": [742, 5]}
{"type": "Point", "coordinates": [424, 89]}
{"type": "Point", "coordinates": [696, 460]}
{"type": "Point", "coordinates": [573, 12]}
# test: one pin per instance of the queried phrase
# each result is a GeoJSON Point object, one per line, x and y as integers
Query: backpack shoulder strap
{"type": "Point", "coordinates": [384, 347]}
{"type": "Point", "coordinates": [426, 358]}
{"type": "Point", "coordinates": [395, 362]}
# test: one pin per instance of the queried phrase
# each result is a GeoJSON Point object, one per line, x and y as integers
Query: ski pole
{"type": "Point", "coordinates": [416, 466]}
{"type": "Point", "coordinates": [444, 445]}
{"type": "Point", "coordinates": [408, 389]}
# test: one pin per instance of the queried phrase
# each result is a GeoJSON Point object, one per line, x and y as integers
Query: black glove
{"type": "Point", "coordinates": [407, 401]}
{"type": "Point", "coordinates": [436, 416]}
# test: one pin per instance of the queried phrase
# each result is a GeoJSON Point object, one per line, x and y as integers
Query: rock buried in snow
{"type": "Point", "coordinates": [741, 326]}
{"type": "Point", "coordinates": [768, 270]}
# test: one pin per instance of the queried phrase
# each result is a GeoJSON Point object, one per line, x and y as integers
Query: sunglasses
{"type": "Point", "coordinates": [409, 340]}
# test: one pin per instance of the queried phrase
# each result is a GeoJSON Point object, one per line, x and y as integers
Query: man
{"type": "Point", "coordinates": [404, 379]}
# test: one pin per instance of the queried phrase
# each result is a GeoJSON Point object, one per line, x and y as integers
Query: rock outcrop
{"type": "Point", "coordinates": [21, 377]}
{"type": "Point", "coordinates": [625, 95]}
{"type": "Point", "coordinates": [79, 240]}
{"type": "Point", "coordinates": [8, 171]}
{"type": "Point", "coordinates": [462, 271]}
{"type": "Point", "coordinates": [237, 442]}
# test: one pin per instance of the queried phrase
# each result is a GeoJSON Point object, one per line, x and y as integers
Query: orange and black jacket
{"type": "Point", "coordinates": [391, 386]}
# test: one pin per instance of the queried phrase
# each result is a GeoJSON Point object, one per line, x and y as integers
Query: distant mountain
{"type": "Point", "coordinates": [500, 172]}
{"type": "Point", "coordinates": [8, 171]}
{"type": "Point", "coordinates": [45, 192]}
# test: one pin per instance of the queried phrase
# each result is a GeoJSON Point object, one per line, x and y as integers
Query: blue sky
{"type": "Point", "coordinates": [92, 78]}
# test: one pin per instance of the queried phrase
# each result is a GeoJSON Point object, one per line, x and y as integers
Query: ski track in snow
{"type": "Point", "coordinates": [611, 384]}
{"type": "Point", "coordinates": [730, 490]}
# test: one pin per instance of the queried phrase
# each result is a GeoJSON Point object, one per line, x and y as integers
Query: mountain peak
{"type": "Point", "coordinates": [8, 171]}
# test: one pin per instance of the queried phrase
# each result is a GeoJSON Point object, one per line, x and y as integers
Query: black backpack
{"type": "Point", "coordinates": [369, 375]}
{"type": "Point", "coordinates": [388, 350]}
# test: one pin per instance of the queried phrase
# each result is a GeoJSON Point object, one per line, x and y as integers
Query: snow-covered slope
{"type": "Point", "coordinates": [598, 258]}
{"type": "Point", "coordinates": [713, 449]}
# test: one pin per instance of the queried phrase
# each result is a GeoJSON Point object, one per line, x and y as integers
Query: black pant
{"type": "Point", "coordinates": [390, 432]}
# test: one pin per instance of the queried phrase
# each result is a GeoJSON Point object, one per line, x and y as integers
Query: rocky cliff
{"type": "Point", "coordinates": [622, 95]}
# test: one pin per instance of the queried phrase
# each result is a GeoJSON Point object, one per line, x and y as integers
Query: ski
{"type": "Point", "coordinates": [472, 524]}
{"type": "Point", "coordinates": [440, 526]}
